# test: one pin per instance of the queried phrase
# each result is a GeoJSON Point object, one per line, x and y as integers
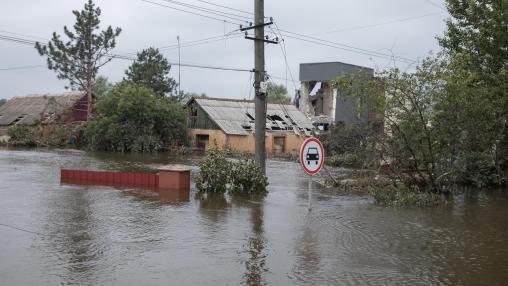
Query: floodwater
{"type": "Point", "coordinates": [52, 234]}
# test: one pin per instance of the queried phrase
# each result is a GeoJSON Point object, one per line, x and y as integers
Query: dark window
{"type": "Point", "coordinates": [202, 141]}
{"type": "Point", "coordinates": [279, 145]}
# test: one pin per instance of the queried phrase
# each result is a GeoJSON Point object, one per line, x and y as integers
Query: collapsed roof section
{"type": "Point", "coordinates": [237, 117]}
{"type": "Point", "coordinates": [34, 109]}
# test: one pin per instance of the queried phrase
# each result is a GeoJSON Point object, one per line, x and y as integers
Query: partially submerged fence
{"type": "Point", "coordinates": [143, 180]}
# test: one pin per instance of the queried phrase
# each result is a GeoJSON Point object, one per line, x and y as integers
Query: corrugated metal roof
{"type": "Point", "coordinates": [31, 109]}
{"type": "Point", "coordinates": [232, 115]}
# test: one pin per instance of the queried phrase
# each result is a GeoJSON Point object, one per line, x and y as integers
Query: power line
{"type": "Point", "coordinates": [130, 58]}
{"type": "Point", "coordinates": [123, 57]}
{"type": "Point", "coordinates": [436, 5]}
{"type": "Point", "coordinates": [281, 78]}
{"type": "Point", "coordinates": [27, 36]}
{"type": "Point", "coordinates": [211, 11]}
{"type": "Point", "coordinates": [194, 13]}
{"type": "Point", "coordinates": [204, 41]}
{"type": "Point", "coordinates": [314, 40]}
{"type": "Point", "coordinates": [22, 67]}
{"type": "Point", "coordinates": [284, 52]}
{"type": "Point", "coordinates": [231, 34]}
{"type": "Point", "coordinates": [226, 7]}
{"type": "Point", "coordinates": [381, 24]}
{"type": "Point", "coordinates": [17, 40]}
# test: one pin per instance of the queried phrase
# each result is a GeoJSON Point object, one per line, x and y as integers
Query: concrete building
{"type": "Point", "coordinates": [229, 124]}
{"type": "Point", "coordinates": [324, 104]}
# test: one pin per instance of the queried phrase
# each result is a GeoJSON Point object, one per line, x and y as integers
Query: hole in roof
{"type": "Point", "coordinates": [274, 117]}
{"type": "Point", "coordinates": [246, 126]}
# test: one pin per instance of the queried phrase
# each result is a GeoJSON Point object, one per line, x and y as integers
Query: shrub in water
{"type": "Point", "coordinates": [401, 195]}
{"type": "Point", "coordinates": [218, 175]}
{"type": "Point", "coordinates": [214, 172]}
{"type": "Point", "coordinates": [22, 135]}
{"type": "Point", "coordinates": [247, 177]}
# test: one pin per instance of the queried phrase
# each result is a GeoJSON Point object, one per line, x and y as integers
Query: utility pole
{"type": "Point", "coordinates": [259, 65]}
{"type": "Point", "coordinates": [179, 66]}
{"type": "Point", "coordinates": [259, 79]}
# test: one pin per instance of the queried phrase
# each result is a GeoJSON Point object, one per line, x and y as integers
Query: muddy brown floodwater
{"type": "Point", "coordinates": [52, 234]}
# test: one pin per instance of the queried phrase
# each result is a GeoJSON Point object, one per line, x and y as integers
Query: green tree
{"type": "Point", "coordinates": [405, 102]}
{"type": "Point", "coordinates": [151, 70]}
{"type": "Point", "coordinates": [101, 86]}
{"type": "Point", "coordinates": [132, 119]}
{"type": "Point", "coordinates": [277, 94]}
{"type": "Point", "coordinates": [476, 45]}
{"type": "Point", "coordinates": [86, 51]}
{"type": "Point", "coordinates": [476, 33]}
{"type": "Point", "coordinates": [2, 101]}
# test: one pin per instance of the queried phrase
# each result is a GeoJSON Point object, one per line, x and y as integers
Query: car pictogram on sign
{"type": "Point", "coordinates": [312, 155]}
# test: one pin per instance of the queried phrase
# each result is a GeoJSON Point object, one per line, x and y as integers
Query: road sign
{"type": "Point", "coordinates": [312, 156]}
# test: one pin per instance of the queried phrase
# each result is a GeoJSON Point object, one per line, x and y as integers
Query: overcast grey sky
{"type": "Point", "coordinates": [353, 23]}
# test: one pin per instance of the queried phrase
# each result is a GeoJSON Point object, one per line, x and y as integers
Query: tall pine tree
{"type": "Point", "coordinates": [87, 49]}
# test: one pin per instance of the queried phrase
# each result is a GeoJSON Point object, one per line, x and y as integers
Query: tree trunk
{"type": "Point", "coordinates": [88, 91]}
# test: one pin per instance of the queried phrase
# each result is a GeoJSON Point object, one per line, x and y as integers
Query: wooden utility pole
{"type": "Point", "coordinates": [259, 78]}
{"type": "Point", "coordinates": [259, 64]}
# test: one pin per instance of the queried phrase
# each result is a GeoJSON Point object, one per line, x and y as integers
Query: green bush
{"type": "Point", "coordinates": [218, 175]}
{"type": "Point", "coordinates": [22, 135]}
{"type": "Point", "coordinates": [247, 177]}
{"type": "Point", "coordinates": [132, 119]}
{"type": "Point", "coordinates": [352, 145]}
{"type": "Point", "coordinates": [402, 195]}
{"type": "Point", "coordinates": [214, 172]}
{"type": "Point", "coordinates": [347, 160]}
{"type": "Point", "coordinates": [58, 137]}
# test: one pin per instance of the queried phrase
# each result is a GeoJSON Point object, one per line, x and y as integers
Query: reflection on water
{"type": "Point", "coordinates": [214, 206]}
{"type": "Point", "coordinates": [97, 235]}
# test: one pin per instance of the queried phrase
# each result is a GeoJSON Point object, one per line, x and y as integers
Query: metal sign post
{"type": "Point", "coordinates": [312, 158]}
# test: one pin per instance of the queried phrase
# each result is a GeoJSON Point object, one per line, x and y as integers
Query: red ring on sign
{"type": "Point", "coordinates": [307, 141]}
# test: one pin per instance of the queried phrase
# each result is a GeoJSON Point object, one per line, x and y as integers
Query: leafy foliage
{"type": "Point", "coordinates": [23, 135]}
{"type": "Point", "coordinates": [401, 195]}
{"type": "Point", "coordinates": [218, 175]}
{"type": "Point", "coordinates": [277, 94]}
{"type": "Point", "coordinates": [214, 172]}
{"type": "Point", "coordinates": [352, 145]}
{"type": "Point", "coordinates": [101, 86]}
{"type": "Point", "coordinates": [132, 119]}
{"type": "Point", "coordinates": [476, 33]}
{"type": "Point", "coordinates": [410, 144]}
{"type": "Point", "coordinates": [151, 70]}
{"type": "Point", "coordinates": [2, 101]}
{"type": "Point", "coordinates": [476, 45]}
{"type": "Point", "coordinates": [79, 59]}
{"type": "Point", "coordinates": [247, 177]}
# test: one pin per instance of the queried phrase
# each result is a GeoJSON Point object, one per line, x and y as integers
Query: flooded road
{"type": "Point", "coordinates": [52, 234]}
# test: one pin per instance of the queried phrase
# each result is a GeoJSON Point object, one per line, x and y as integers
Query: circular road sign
{"type": "Point", "coordinates": [312, 156]}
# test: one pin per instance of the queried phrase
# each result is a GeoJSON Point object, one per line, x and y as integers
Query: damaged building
{"type": "Point", "coordinates": [229, 124]}
{"type": "Point", "coordinates": [323, 103]}
{"type": "Point", "coordinates": [43, 109]}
